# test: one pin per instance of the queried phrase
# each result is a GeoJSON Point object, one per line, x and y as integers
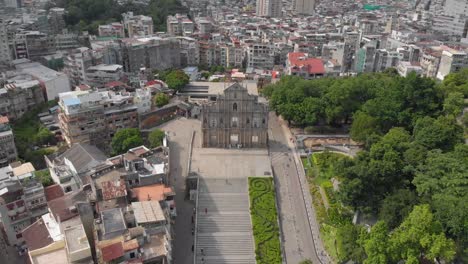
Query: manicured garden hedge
{"type": "Point", "coordinates": [264, 220]}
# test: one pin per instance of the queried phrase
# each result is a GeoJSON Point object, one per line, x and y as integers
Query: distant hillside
{"type": "Point", "coordinates": [86, 15]}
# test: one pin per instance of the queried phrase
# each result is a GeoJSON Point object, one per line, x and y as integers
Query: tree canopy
{"type": "Point", "coordinates": [126, 139]}
{"type": "Point", "coordinates": [161, 99]}
{"type": "Point", "coordinates": [87, 15]}
{"type": "Point", "coordinates": [176, 79]}
{"type": "Point", "coordinates": [372, 103]}
{"type": "Point", "coordinates": [156, 138]}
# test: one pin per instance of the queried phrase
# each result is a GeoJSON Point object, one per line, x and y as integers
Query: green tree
{"type": "Point", "coordinates": [453, 104]}
{"type": "Point", "coordinates": [348, 246]}
{"type": "Point", "coordinates": [161, 99]}
{"type": "Point", "coordinates": [376, 172]}
{"type": "Point", "coordinates": [363, 126]}
{"type": "Point", "coordinates": [443, 133]}
{"type": "Point", "coordinates": [177, 80]}
{"type": "Point", "coordinates": [443, 181]}
{"type": "Point", "coordinates": [156, 137]}
{"type": "Point", "coordinates": [421, 235]}
{"type": "Point", "coordinates": [126, 139]}
{"type": "Point", "coordinates": [376, 245]}
{"type": "Point", "coordinates": [396, 207]}
{"type": "Point", "coordinates": [456, 82]}
{"type": "Point", "coordinates": [44, 177]}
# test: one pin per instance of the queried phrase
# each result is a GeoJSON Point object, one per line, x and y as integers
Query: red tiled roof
{"type": "Point", "coordinates": [61, 206]}
{"type": "Point", "coordinates": [53, 192]}
{"type": "Point", "coordinates": [113, 189]}
{"type": "Point", "coordinates": [139, 151]}
{"type": "Point", "coordinates": [155, 192]}
{"type": "Point", "coordinates": [300, 60]}
{"type": "Point", "coordinates": [130, 245]}
{"type": "Point", "coordinates": [36, 235]}
{"type": "Point", "coordinates": [84, 87]}
{"type": "Point", "coordinates": [114, 84]}
{"type": "Point", "coordinates": [112, 251]}
{"type": "Point", "coordinates": [4, 120]}
{"type": "Point", "coordinates": [153, 82]}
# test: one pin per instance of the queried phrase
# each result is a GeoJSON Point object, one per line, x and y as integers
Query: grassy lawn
{"type": "Point", "coordinates": [319, 174]}
{"type": "Point", "coordinates": [264, 220]}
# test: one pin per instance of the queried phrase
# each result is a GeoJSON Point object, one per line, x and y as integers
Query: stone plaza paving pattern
{"type": "Point", "coordinates": [224, 230]}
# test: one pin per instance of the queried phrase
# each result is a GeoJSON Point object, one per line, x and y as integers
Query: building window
{"type": "Point", "coordinates": [248, 120]}
{"type": "Point", "coordinates": [263, 121]}
{"type": "Point", "coordinates": [234, 107]}
{"type": "Point", "coordinates": [213, 122]}
{"type": "Point", "coordinates": [234, 121]}
{"type": "Point", "coordinates": [132, 254]}
{"type": "Point", "coordinates": [221, 120]}
{"type": "Point", "coordinates": [254, 139]}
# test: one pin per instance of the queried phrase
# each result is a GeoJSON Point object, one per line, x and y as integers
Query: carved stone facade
{"type": "Point", "coordinates": [236, 119]}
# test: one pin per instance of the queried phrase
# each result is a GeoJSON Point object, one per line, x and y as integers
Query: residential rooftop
{"type": "Point", "coordinates": [148, 212]}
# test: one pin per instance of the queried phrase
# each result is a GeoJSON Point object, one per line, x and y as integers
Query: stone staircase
{"type": "Point", "coordinates": [224, 232]}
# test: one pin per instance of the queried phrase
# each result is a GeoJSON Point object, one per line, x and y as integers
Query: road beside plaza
{"type": "Point", "coordinates": [180, 133]}
{"type": "Point", "coordinates": [300, 231]}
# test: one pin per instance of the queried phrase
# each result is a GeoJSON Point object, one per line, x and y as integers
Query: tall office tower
{"type": "Point", "coordinates": [269, 8]}
{"type": "Point", "coordinates": [306, 7]}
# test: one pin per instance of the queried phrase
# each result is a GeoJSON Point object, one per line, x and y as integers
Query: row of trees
{"type": "Point", "coordinates": [372, 103]}
{"type": "Point", "coordinates": [413, 171]}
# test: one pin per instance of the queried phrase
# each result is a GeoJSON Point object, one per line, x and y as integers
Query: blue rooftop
{"type": "Point", "coordinates": [71, 101]}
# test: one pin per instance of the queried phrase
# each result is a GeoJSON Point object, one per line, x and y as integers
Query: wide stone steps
{"type": "Point", "coordinates": [224, 229]}
{"type": "Point", "coordinates": [214, 222]}
{"type": "Point", "coordinates": [225, 260]}
{"type": "Point", "coordinates": [226, 186]}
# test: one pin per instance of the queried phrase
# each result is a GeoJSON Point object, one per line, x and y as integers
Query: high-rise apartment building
{"type": "Point", "coordinates": [137, 25]}
{"type": "Point", "coordinates": [269, 8]}
{"type": "Point", "coordinates": [5, 54]}
{"type": "Point", "coordinates": [7, 143]}
{"type": "Point", "coordinates": [22, 201]}
{"type": "Point", "coordinates": [452, 60]}
{"type": "Point", "coordinates": [94, 117]}
{"type": "Point", "coordinates": [306, 7]}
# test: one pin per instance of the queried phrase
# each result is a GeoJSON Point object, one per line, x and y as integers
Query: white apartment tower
{"type": "Point", "coordinates": [5, 55]}
{"type": "Point", "coordinates": [269, 8]}
{"type": "Point", "coordinates": [305, 7]}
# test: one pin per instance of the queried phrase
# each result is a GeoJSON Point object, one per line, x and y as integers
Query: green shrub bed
{"type": "Point", "coordinates": [264, 220]}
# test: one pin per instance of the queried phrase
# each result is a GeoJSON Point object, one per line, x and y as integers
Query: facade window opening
{"type": "Point", "coordinates": [234, 107]}
{"type": "Point", "coordinates": [248, 121]}
{"type": "Point", "coordinates": [234, 122]}
{"type": "Point", "coordinates": [221, 120]}
{"type": "Point", "coordinates": [263, 121]}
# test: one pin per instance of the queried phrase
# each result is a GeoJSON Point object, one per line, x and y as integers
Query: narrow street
{"type": "Point", "coordinates": [180, 133]}
{"type": "Point", "coordinates": [298, 223]}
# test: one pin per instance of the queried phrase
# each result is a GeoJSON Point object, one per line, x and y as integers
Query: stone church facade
{"type": "Point", "coordinates": [236, 119]}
